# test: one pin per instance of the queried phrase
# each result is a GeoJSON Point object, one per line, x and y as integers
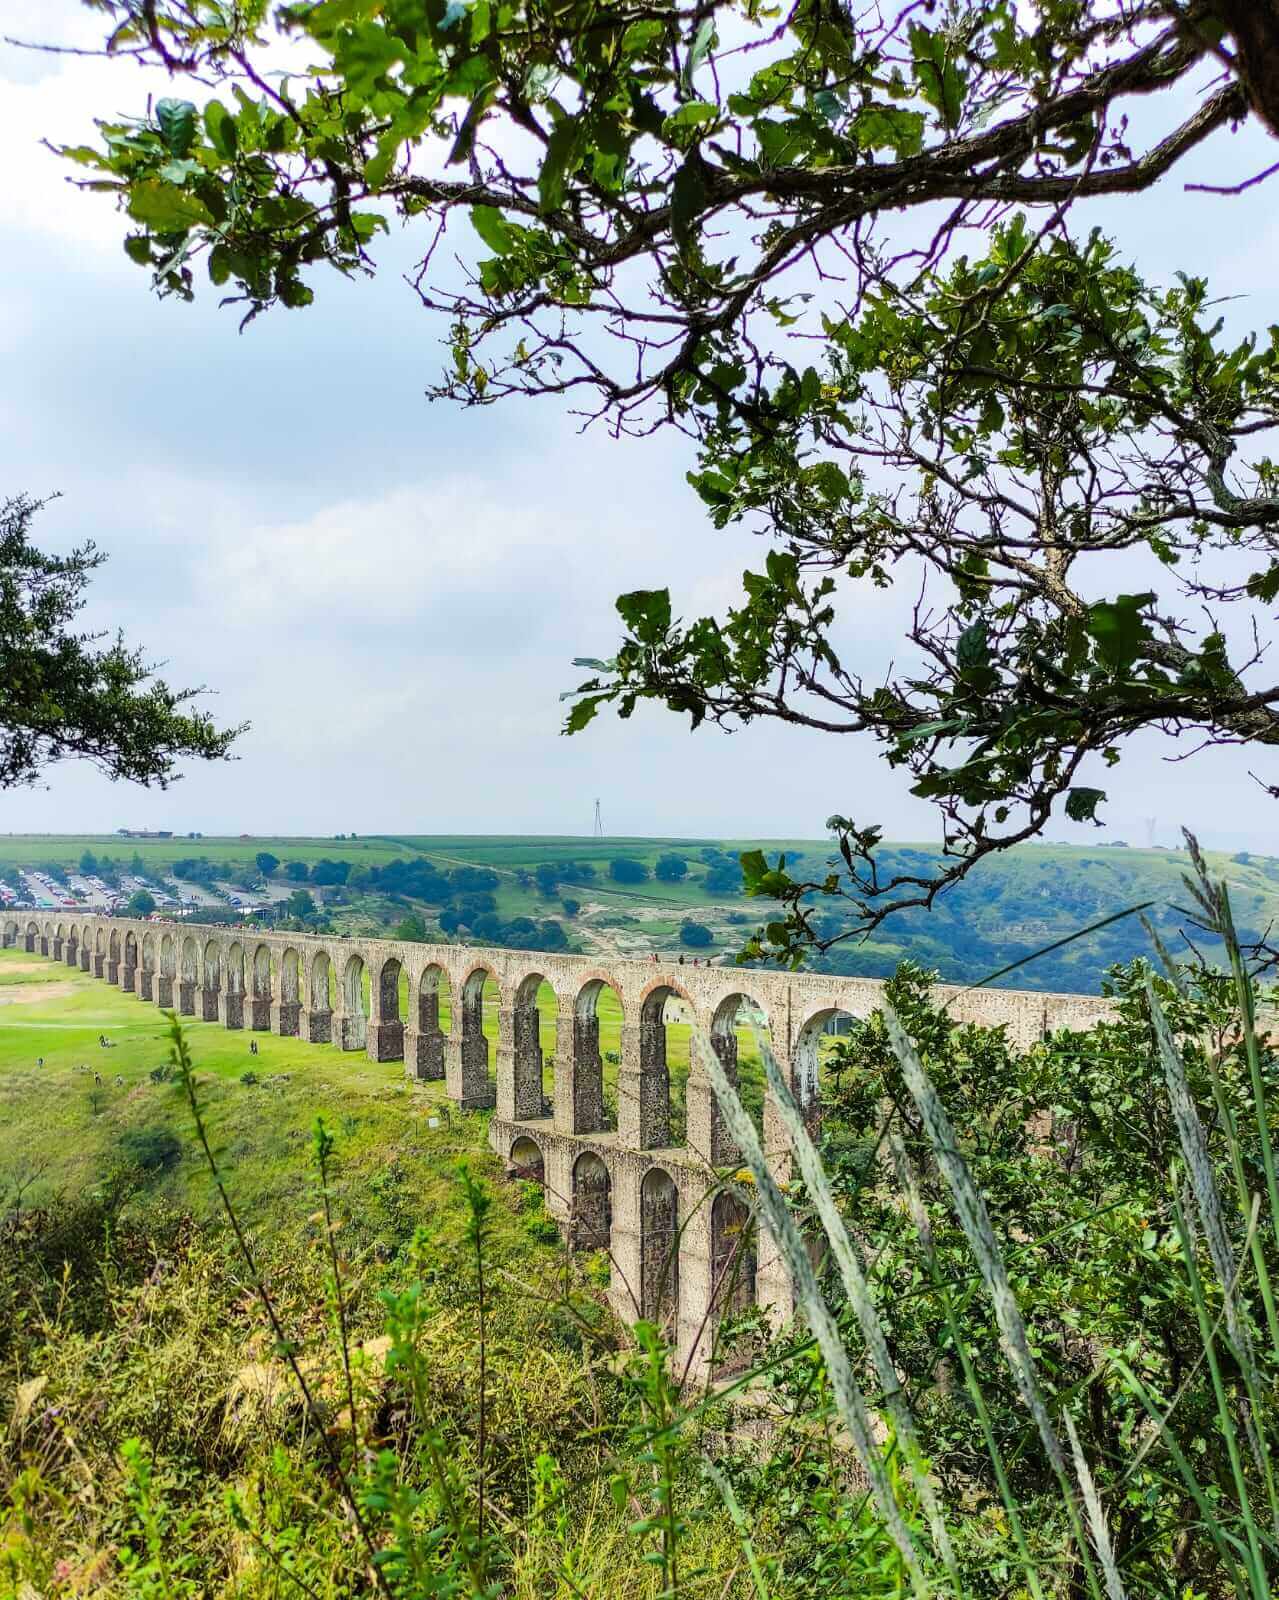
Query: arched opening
{"type": "Point", "coordinates": [733, 1035]}
{"type": "Point", "coordinates": [317, 1020]}
{"type": "Point", "coordinates": [263, 988]}
{"type": "Point", "coordinates": [660, 1118]}
{"type": "Point", "coordinates": [166, 972]}
{"type": "Point", "coordinates": [30, 938]}
{"type": "Point", "coordinates": [351, 1021]}
{"type": "Point", "coordinates": [386, 1037]}
{"type": "Point", "coordinates": [10, 934]}
{"type": "Point", "coordinates": [597, 1046]}
{"type": "Point", "coordinates": [592, 1218]}
{"type": "Point", "coordinates": [822, 1043]}
{"type": "Point", "coordinates": [659, 1249]}
{"type": "Point", "coordinates": [424, 1044]}
{"type": "Point", "coordinates": [146, 972]}
{"type": "Point", "coordinates": [129, 966]}
{"type": "Point", "coordinates": [534, 1025]}
{"type": "Point", "coordinates": [188, 976]}
{"type": "Point", "coordinates": [480, 1001]}
{"type": "Point", "coordinates": [526, 1160]}
{"type": "Point", "coordinates": [287, 1009]}
{"type": "Point", "coordinates": [231, 1001]}
{"type": "Point", "coordinates": [734, 1256]}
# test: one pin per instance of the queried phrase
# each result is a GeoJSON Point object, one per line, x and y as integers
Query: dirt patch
{"type": "Point", "coordinates": [29, 993]}
{"type": "Point", "coordinates": [25, 966]}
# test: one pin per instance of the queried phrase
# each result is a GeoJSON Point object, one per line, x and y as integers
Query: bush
{"type": "Point", "coordinates": [570, 906]}
{"type": "Point", "coordinates": [624, 869]}
{"type": "Point", "coordinates": [296, 871]}
{"type": "Point", "coordinates": [695, 935]}
{"type": "Point", "coordinates": [140, 904]}
{"type": "Point", "coordinates": [671, 868]}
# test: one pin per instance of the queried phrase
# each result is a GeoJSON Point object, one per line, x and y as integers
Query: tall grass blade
{"type": "Point", "coordinates": [859, 1297]}
{"type": "Point", "coordinates": [777, 1218]}
{"type": "Point", "coordinates": [974, 1219]}
{"type": "Point", "coordinates": [1096, 1517]}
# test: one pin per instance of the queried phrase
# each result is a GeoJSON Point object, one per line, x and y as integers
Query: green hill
{"type": "Point", "coordinates": [605, 895]}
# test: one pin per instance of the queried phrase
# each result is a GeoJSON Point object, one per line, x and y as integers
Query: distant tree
{"type": "Point", "coordinates": [551, 936]}
{"type": "Point", "coordinates": [473, 880]}
{"type": "Point", "coordinates": [300, 904]}
{"type": "Point", "coordinates": [63, 697]}
{"type": "Point", "coordinates": [571, 906]}
{"type": "Point", "coordinates": [696, 935]}
{"type": "Point", "coordinates": [548, 877]}
{"type": "Point", "coordinates": [138, 867]}
{"type": "Point", "coordinates": [89, 863]}
{"type": "Point", "coordinates": [623, 869]}
{"type": "Point", "coordinates": [140, 904]}
{"type": "Point", "coordinates": [296, 871]}
{"type": "Point", "coordinates": [524, 877]}
{"type": "Point", "coordinates": [723, 878]}
{"type": "Point", "coordinates": [671, 868]}
{"type": "Point", "coordinates": [412, 929]}
{"type": "Point", "coordinates": [266, 862]}
{"type": "Point", "coordinates": [450, 920]}
{"type": "Point", "coordinates": [327, 872]}
{"type": "Point", "coordinates": [488, 925]}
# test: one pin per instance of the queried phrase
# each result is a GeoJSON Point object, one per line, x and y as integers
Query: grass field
{"type": "Point", "coordinates": [62, 1131]}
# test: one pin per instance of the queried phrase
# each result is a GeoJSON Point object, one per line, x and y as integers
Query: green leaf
{"type": "Point", "coordinates": [1119, 629]}
{"type": "Point", "coordinates": [689, 197]}
{"type": "Point", "coordinates": [1081, 804]}
{"type": "Point", "coordinates": [492, 228]}
{"type": "Point", "coordinates": [138, 248]}
{"type": "Point", "coordinates": [703, 43]}
{"type": "Point", "coordinates": [647, 613]}
{"type": "Point", "coordinates": [177, 125]}
{"type": "Point", "coordinates": [561, 151]}
{"type": "Point", "coordinates": [164, 208]}
{"type": "Point", "coordinates": [221, 128]}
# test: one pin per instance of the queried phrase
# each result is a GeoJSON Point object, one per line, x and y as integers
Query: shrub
{"type": "Point", "coordinates": [696, 935]}
{"type": "Point", "coordinates": [624, 869]}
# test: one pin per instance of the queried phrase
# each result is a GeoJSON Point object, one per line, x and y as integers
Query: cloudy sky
{"type": "Point", "coordinates": [392, 592]}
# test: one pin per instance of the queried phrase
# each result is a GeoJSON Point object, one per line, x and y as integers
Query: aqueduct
{"type": "Point", "coordinates": [639, 1174]}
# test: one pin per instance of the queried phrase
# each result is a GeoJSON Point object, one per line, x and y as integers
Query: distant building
{"type": "Point", "coordinates": [146, 833]}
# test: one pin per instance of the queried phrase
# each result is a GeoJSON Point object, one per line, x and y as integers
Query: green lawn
{"type": "Point", "coordinates": [64, 1130]}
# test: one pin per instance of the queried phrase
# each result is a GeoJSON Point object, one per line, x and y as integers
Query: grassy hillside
{"type": "Point", "coordinates": [1009, 908]}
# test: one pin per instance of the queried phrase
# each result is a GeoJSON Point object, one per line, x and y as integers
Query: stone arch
{"type": "Point", "coordinates": [351, 1019]}
{"type": "Point", "coordinates": [386, 1037]}
{"type": "Point", "coordinates": [528, 1091]}
{"type": "Point", "coordinates": [129, 966]}
{"type": "Point", "coordinates": [527, 1161]}
{"type": "Point", "coordinates": [587, 1110]}
{"type": "Point", "coordinates": [734, 1254]}
{"type": "Point", "coordinates": [148, 952]}
{"type": "Point", "coordinates": [810, 1050]}
{"type": "Point", "coordinates": [262, 977]}
{"type": "Point", "coordinates": [476, 1088]}
{"type": "Point", "coordinates": [231, 1000]}
{"type": "Point", "coordinates": [190, 960]}
{"type": "Point", "coordinates": [730, 1029]}
{"type": "Point", "coordinates": [113, 945]}
{"type": "Point", "coordinates": [659, 1249]}
{"type": "Point", "coordinates": [316, 1019]}
{"type": "Point", "coordinates": [168, 956]}
{"type": "Point", "coordinates": [286, 1012]}
{"type": "Point", "coordinates": [31, 937]}
{"type": "Point", "coordinates": [213, 966]}
{"type": "Point", "coordinates": [592, 1215]}
{"type": "Point", "coordinates": [146, 970]}
{"type": "Point", "coordinates": [425, 1037]}
{"type": "Point", "coordinates": [10, 933]}
{"type": "Point", "coordinates": [652, 1112]}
